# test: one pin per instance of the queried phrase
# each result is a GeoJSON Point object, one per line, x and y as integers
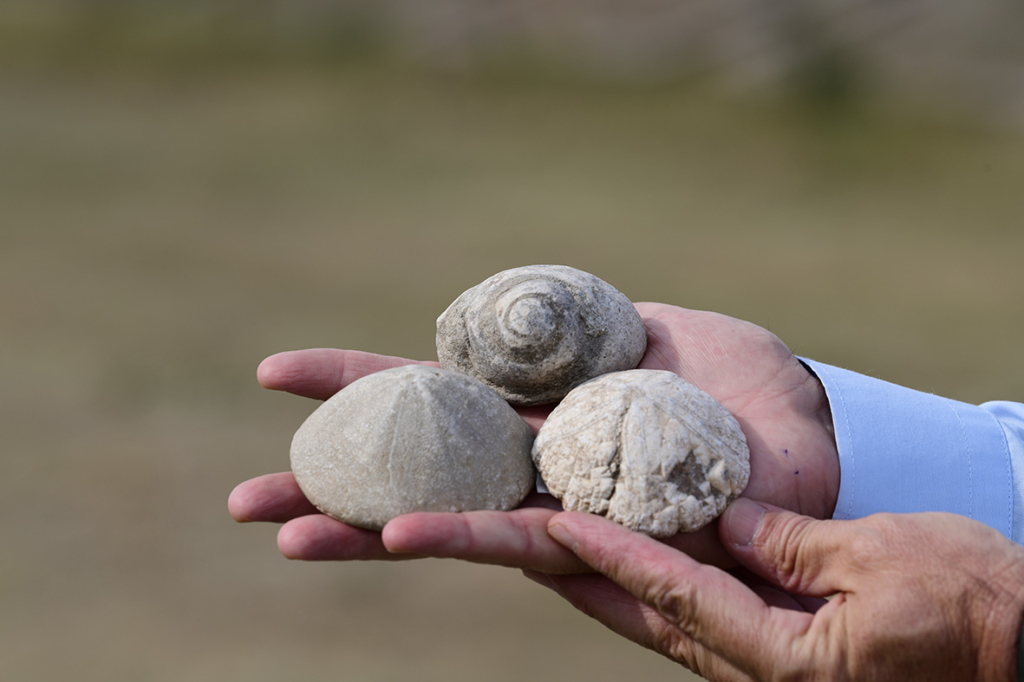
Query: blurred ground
{"type": "Point", "coordinates": [164, 228]}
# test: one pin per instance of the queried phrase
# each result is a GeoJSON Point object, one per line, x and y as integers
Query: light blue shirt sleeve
{"type": "Point", "coordinates": [1011, 418]}
{"type": "Point", "coordinates": [902, 450]}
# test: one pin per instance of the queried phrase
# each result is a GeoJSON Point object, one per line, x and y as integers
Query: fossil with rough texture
{"type": "Point", "coordinates": [536, 332]}
{"type": "Point", "coordinates": [645, 448]}
{"type": "Point", "coordinates": [412, 438]}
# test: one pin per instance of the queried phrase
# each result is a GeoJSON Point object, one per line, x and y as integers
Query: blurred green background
{"type": "Point", "coordinates": [188, 188]}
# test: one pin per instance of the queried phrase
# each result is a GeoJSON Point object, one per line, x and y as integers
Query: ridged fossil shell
{"type": "Point", "coordinates": [646, 449]}
{"type": "Point", "coordinates": [412, 438]}
{"type": "Point", "coordinates": [536, 332]}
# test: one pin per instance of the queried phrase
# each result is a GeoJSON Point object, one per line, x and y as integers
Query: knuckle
{"type": "Point", "coordinates": [686, 651]}
{"type": "Point", "coordinates": [875, 538]}
{"type": "Point", "coordinates": [674, 644]}
{"type": "Point", "coordinates": [785, 546]}
{"type": "Point", "coordinates": [676, 603]}
{"type": "Point", "coordinates": [864, 545]}
{"type": "Point", "coordinates": [884, 525]}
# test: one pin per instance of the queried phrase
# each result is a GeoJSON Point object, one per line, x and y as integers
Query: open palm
{"type": "Point", "coordinates": [780, 406]}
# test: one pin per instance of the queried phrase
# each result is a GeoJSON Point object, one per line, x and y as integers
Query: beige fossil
{"type": "Point", "coordinates": [412, 438]}
{"type": "Point", "coordinates": [534, 333]}
{"type": "Point", "coordinates": [644, 448]}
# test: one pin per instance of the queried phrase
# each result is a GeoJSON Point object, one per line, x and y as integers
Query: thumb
{"type": "Point", "coordinates": [798, 553]}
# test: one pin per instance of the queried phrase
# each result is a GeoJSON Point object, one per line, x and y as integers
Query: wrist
{"type": "Point", "coordinates": [1001, 613]}
{"type": "Point", "coordinates": [821, 413]}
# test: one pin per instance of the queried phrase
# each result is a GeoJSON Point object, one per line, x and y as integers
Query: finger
{"type": "Point", "coordinates": [321, 538]}
{"type": "Point", "coordinates": [534, 416]}
{"type": "Point", "coordinates": [544, 500]}
{"type": "Point", "coordinates": [773, 595]}
{"type": "Point", "coordinates": [704, 602]}
{"type": "Point", "coordinates": [321, 372]}
{"type": "Point", "coordinates": [780, 599]}
{"type": "Point", "coordinates": [600, 598]}
{"type": "Point", "coordinates": [702, 545]}
{"type": "Point", "coordinates": [627, 616]}
{"type": "Point", "coordinates": [518, 538]}
{"type": "Point", "coordinates": [274, 497]}
{"type": "Point", "coordinates": [798, 553]}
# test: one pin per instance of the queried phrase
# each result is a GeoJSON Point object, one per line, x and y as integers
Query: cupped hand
{"type": "Point", "coordinates": [913, 597]}
{"type": "Point", "coordinates": [780, 406]}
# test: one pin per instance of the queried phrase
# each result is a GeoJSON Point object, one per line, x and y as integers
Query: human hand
{"type": "Point", "coordinates": [916, 597]}
{"type": "Point", "coordinates": [780, 406]}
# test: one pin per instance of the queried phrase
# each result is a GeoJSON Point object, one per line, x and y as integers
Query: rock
{"type": "Point", "coordinates": [412, 438]}
{"type": "Point", "coordinates": [646, 449]}
{"type": "Point", "coordinates": [536, 332]}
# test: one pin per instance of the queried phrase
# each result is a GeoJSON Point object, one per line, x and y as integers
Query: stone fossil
{"type": "Point", "coordinates": [645, 448]}
{"type": "Point", "coordinates": [412, 438]}
{"type": "Point", "coordinates": [534, 333]}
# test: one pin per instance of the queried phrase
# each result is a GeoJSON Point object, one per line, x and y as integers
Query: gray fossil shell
{"type": "Point", "coordinates": [536, 332]}
{"type": "Point", "coordinates": [412, 438]}
{"type": "Point", "coordinates": [645, 448]}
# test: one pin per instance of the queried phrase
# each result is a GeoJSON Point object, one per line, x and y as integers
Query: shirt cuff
{"type": "Point", "coordinates": [902, 450]}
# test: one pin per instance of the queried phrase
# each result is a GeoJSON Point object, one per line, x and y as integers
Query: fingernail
{"type": "Point", "coordinates": [562, 535]}
{"type": "Point", "coordinates": [744, 519]}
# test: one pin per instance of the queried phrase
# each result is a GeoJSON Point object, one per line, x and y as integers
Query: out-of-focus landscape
{"type": "Point", "coordinates": [186, 188]}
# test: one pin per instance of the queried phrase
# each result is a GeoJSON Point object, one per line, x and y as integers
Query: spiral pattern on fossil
{"type": "Point", "coordinates": [534, 333]}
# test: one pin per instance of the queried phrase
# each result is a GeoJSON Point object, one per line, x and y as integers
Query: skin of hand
{"type": "Point", "coordinates": [780, 406]}
{"type": "Point", "coordinates": [913, 597]}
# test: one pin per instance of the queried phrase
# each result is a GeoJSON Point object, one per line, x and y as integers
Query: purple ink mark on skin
{"type": "Point", "coordinates": [797, 471]}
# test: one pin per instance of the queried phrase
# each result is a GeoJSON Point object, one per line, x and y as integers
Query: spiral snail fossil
{"type": "Point", "coordinates": [536, 332]}
{"type": "Point", "coordinates": [645, 448]}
